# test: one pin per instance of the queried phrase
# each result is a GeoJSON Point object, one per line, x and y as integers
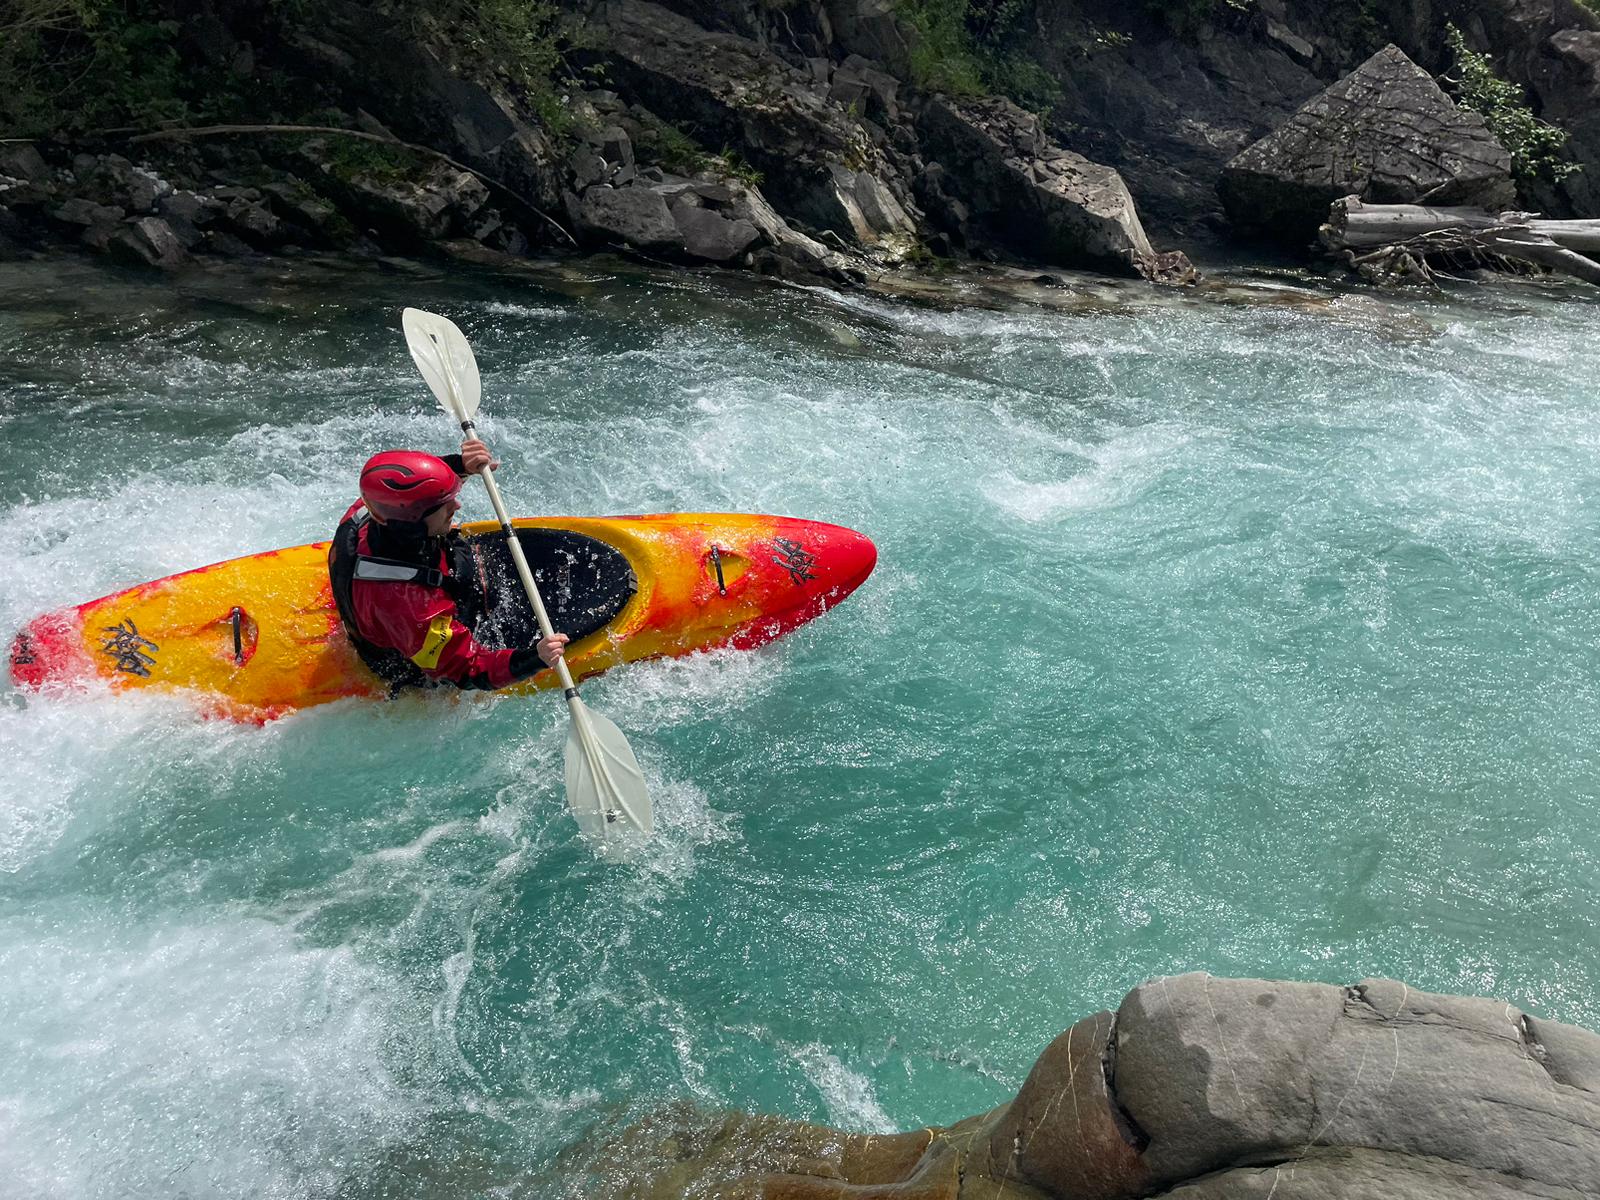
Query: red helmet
{"type": "Point", "coordinates": [405, 485]}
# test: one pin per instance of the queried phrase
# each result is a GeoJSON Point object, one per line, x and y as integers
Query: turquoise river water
{"type": "Point", "coordinates": [1260, 639]}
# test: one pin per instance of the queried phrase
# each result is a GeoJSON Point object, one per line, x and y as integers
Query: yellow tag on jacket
{"type": "Point", "coordinates": [434, 642]}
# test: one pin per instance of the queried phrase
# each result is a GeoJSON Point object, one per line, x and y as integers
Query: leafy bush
{"type": "Point", "coordinates": [1535, 146]}
{"type": "Point", "coordinates": [351, 158]}
{"type": "Point", "coordinates": [675, 150]}
{"type": "Point", "coordinates": [77, 65]}
{"type": "Point", "coordinates": [978, 48]}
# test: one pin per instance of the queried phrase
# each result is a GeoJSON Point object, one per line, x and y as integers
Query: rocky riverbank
{"type": "Point", "coordinates": [810, 141]}
{"type": "Point", "coordinates": [1205, 1089]}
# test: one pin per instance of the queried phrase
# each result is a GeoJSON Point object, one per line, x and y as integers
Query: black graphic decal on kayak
{"type": "Point", "coordinates": [127, 648]}
{"type": "Point", "coordinates": [22, 650]}
{"type": "Point", "coordinates": [796, 560]}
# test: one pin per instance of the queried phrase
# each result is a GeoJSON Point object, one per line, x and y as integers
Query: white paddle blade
{"type": "Point", "coordinates": [605, 787]}
{"type": "Point", "coordinates": [445, 360]}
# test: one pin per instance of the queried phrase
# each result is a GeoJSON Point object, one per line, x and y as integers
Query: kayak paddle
{"type": "Point", "coordinates": [604, 783]}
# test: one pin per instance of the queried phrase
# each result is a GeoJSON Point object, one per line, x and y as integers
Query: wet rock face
{"type": "Point", "coordinates": [1067, 1129]}
{"type": "Point", "coordinates": [1218, 1089]}
{"type": "Point", "coordinates": [873, 30]}
{"type": "Point", "coordinates": [821, 165]}
{"type": "Point", "coordinates": [360, 55]}
{"type": "Point", "coordinates": [852, 154]}
{"type": "Point", "coordinates": [702, 219]}
{"type": "Point", "coordinates": [1166, 112]}
{"type": "Point", "coordinates": [1216, 1072]}
{"type": "Point", "coordinates": [1019, 190]}
{"type": "Point", "coordinates": [1386, 133]}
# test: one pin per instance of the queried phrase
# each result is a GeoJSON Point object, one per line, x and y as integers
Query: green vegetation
{"type": "Point", "coordinates": [1535, 146]}
{"type": "Point", "coordinates": [679, 153]}
{"type": "Point", "coordinates": [522, 41]}
{"type": "Point", "coordinates": [674, 149]}
{"type": "Point", "coordinates": [77, 66]}
{"type": "Point", "coordinates": [732, 164]}
{"type": "Point", "coordinates": [353, 158]}
{"type": "Point", "coordinates": [979, 48]}
{"type": "Point", "coordinates": [83, 66]}
{"type": "Point", "coordinates": [74, 65]}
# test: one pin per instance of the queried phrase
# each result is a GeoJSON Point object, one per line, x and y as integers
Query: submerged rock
{"type": "Point", "coordinates": [1208, 1089]}
{"type": "Point", "coordinates": [1387, 133]}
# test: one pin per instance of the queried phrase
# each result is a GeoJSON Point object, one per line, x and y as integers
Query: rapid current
{"type": "Point", "coordinates": [1254, 638]}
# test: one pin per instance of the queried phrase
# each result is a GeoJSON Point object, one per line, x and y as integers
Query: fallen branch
{"type": "Point", "coordinates": [1401, 238]}
{"type": "Point", "coordinates": [428, 151]}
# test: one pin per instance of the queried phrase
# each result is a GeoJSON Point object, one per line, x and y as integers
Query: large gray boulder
{"type": "Point", "coordinates": [635, 216]}
{"type": "Point", "coordinates": [1386, 133]}
{"type": "Point", "coordinates": [1211, 1089]}
{"type": "Point", "coordinates": [699, 220]}
{"type": "Point", "coordinates": [1015, 188]}
{"type": "Point", "coordinates": [709, 236]}
{"type": "Point", "coordinates": [150, 242]}
{"type": "Point", "coordinates": [1217, 1075]}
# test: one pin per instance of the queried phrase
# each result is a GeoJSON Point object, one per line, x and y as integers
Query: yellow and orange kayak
{"type": "Point", "coordinates": [259, 636]}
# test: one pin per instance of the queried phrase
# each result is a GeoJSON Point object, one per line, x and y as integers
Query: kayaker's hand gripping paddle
{"type": "Point", "coordinates": [604, 783]}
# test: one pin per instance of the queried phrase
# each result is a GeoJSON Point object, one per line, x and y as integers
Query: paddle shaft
{"type": "Point", "coordinates": [528, 585]}
{"type": "Point", "coordinates": [603, 777]}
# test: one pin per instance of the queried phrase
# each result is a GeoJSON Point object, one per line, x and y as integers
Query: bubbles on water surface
{"type": "Point", "coordinates": [848, 1095]}
{"type": "Point", "coordinates": [211, 1056]}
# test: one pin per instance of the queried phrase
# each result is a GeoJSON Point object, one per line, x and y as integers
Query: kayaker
{"type": "Point", "coordinates": [403, 578]}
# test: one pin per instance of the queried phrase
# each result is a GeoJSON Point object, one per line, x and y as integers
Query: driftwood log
{"type": "Point", "coordinates": [1385, 240]}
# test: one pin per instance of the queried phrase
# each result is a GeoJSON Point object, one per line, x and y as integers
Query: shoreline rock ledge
{"type": "Point", "coordinates": [1199, 1088]}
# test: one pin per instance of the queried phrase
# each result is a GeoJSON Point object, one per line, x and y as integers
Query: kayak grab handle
{"type": "Point", "coordinates": [716, 561]}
